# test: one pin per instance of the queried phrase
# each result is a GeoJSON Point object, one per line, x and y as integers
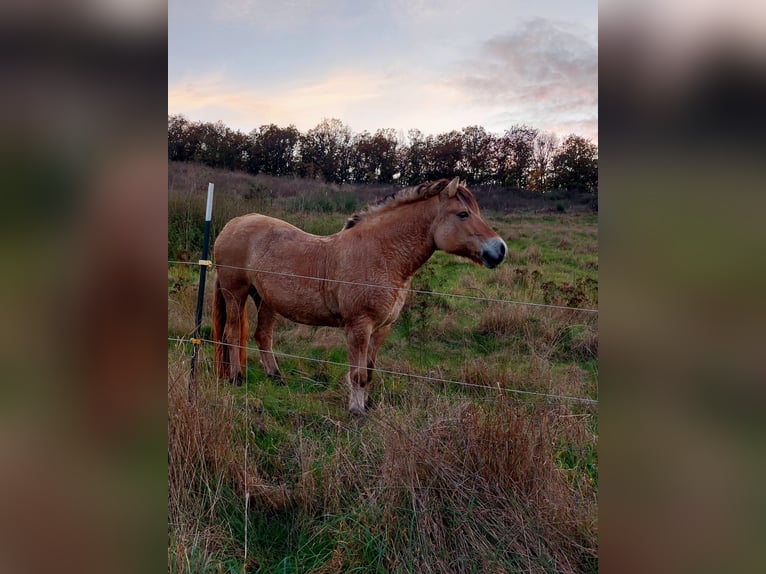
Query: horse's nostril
{"type": "Point", "coordinates": [500, 248]}
{"type": "Point", "coordinates": [494, 253]}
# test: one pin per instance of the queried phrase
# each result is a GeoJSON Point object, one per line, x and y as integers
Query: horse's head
{"type": "Point", "coordinates": [459, 229]}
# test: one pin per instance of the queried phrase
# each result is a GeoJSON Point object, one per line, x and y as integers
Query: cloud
{"type": "Point", "coordinates": [544, 74]}
{"type": "Point", "coordinates": [363, 100]}
{"type": "Point", "coordinates": [429, 11]}
{"type": "Point", "coordinates": [264, 11]}
{"type": "Point", "coordinates": [212, 98]}
{"type": "Point", "coordinates": [285, 14]}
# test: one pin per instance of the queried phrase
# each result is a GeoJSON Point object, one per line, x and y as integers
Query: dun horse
{"type": "Point", "coordinates": [354, 279]}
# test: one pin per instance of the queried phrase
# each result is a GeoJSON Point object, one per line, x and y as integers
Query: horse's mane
{"type": "Point", "coordinates": [408, 195]}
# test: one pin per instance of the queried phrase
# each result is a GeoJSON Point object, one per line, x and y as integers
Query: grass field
{"type": "Point", "coordinates": [440, 477]}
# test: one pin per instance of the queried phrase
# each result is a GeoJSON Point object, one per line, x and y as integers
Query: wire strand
{"type": "Point", "coordinates": [390, 288]}
{"type": "Point", "coordinates": [400, 374]}
{"type": "Point", "coordinates": [303, 376]}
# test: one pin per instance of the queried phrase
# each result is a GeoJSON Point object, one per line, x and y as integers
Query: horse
{"type": "Point", "coordinates": [355, 279]}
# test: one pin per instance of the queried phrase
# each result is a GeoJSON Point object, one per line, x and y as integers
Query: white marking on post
{"type": "Point", "coordinates": [209, 210]}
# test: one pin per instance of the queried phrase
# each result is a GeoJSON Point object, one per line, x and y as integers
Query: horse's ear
{"type": "Point", "coordinates": [452, 187]}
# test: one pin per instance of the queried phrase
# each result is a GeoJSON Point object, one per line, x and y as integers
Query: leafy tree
{"type": "Point", "coordinates": [180, 147]}
{"type": "Point", "coordinates": [326, 151]}
{"type": "Point", "coordinates": [445, 155]}
{"type": "Point", "coordinates": [515, 154]}
{"type": "Point", "coordinates": [216, 145]}
{"type": "Point", "coordinates": [575, 165]}
{"type": "Point", "coordinates": [374, 158]}
{"type": "Point", "coordinates": [235, 150]}
{"type": "Point", "coordinates": [274, 149]}
{"type": "Point", "coordinates": [523, 157]}
{"type": "Point", "coordinates": [415, 158]}
{"type": "Point", "coordinates": [385, 147]}
{"type": "Point", "coordinates": [476, 163]}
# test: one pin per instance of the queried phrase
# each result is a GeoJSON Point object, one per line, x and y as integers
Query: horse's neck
{"type": "Point", "coordinates": [408, 238]}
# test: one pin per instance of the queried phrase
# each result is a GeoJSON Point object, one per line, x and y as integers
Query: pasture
{"type": "Point", "coordinates": [453, 470]}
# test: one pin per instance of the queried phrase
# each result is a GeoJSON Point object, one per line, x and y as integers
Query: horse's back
{"type": "Point", "coordinates": [246, 234]}
{"type": "Point", "coordinates": [288, 267]}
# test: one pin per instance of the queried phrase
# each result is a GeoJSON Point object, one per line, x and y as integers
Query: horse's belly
{"type": "Point", "coordinates": [311, 318]}
{"type": "Point", "coordinates": [301, 306]}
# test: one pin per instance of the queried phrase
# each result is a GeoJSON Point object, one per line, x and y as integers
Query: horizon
{"type": "Point", "coordinates": [401, 135]}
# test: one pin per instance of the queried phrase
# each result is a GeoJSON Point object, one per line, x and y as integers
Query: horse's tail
{"type": "Point", "coordinates": [220, 350]}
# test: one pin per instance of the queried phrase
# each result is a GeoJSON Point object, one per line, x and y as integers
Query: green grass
{"type": "Point", "coordinates": [360, 496]}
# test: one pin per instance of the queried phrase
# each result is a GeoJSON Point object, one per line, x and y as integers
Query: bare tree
{"type": "Point", "coordinates": [544, 149]}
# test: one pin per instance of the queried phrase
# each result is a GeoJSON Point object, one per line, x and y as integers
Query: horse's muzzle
{"type": "Point", "coordinates": [493, 252]}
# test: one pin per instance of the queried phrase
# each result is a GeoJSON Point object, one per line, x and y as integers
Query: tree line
{"type": "Point", "coordinates": [522, 157]}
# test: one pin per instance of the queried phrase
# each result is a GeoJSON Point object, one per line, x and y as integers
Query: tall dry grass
{"type": "Point", "coordinates": [477, 488]}
{"type": "Point", "coordinates": [434, 484]}
{"type": "Point", "coordinates": [208, 469]}
{"type": "Point", "coordinates": [202, 463]}
{"type": "Point", "coordinates": [561, 334]}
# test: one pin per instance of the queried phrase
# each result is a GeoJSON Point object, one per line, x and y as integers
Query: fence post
{"type": "Point", "coordinates": [204, 263]}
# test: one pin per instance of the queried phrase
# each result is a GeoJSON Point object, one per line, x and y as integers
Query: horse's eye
{"type": "Point", "coordinates": [463, 215]}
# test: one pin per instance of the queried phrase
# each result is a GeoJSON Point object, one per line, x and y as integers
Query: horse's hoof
{"type": "Point", "coordinates": [357, 413]}
{"type": "Point", "coordinates": [238, 380]}
{"type": "Point", "coordinates": [278, 379]}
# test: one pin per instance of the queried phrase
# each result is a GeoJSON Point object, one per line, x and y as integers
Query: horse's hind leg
{"type": "Point", "coordinates": [263, 337]}
{"type": "Point", "coordinates": [234, 333]}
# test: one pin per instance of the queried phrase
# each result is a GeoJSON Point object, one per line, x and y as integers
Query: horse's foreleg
{"type": "Point", "coordinates": [233, 335]}
{"type": "Point", "coordinates": [263, 338]}
{"type": "Point", "coordinates": [358, 340]}
{"type": "Point", "coordinates": [376, 340]}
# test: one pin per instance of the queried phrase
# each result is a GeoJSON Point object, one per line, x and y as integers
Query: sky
{"type": "Point", "coordinates": [432, 65]}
